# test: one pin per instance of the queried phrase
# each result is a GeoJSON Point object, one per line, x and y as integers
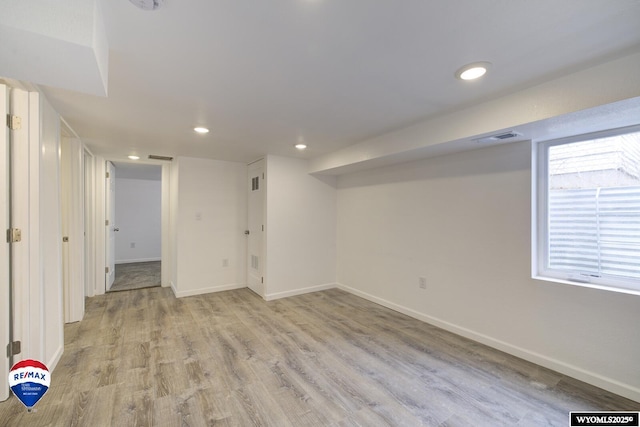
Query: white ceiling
{"type": "Point", "coordinates": [264, 74]}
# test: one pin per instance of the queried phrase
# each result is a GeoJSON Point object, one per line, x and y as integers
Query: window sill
{"type": "Point", "coordinates": [609, 288]}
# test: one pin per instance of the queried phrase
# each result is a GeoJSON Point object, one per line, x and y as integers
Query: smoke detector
{"type": "Point", "coordinates": [147, 4]}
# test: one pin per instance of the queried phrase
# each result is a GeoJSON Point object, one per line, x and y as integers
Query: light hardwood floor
{"type": "Point", "coordinates": [142, 358]}
{"type": "Point", "coordinates": [136, 275]}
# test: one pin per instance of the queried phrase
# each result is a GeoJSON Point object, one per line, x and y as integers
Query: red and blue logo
{"type": "Point", "coordinates": [29, 380]}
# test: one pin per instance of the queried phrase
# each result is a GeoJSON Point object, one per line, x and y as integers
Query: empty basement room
{"type": "Point", "coordinates": [421, 213]}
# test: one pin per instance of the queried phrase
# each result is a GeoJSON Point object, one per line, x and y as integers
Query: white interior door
{"type": "Point", "coordinates": [255, 248]}
{"type": "Point", "coordinates": [5, 283]}
{"type": "Point", "coordinates": [73, 251]}
{"type": "Point", "coordinates": [110, 224]}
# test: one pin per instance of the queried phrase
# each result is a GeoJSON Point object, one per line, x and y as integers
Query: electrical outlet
{"type": "Point", "coordinates": [422, 282]}
{"type": "Point", "coordinates": [133, 245]}
{"type": "Point", "coordinates": [225, 262]}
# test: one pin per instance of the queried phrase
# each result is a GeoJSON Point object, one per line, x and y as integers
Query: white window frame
{"type": "Point", "coordinates": [539, 229]}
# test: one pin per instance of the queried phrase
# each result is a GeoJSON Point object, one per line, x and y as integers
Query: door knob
{"type": "Point", "coordinates": [116, 229]}
{"type": "Point", "coordinates": [247, 232]}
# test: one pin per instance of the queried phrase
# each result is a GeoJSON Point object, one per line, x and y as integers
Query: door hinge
{"type": "Point", "coordinates": [107, 174]}
{"type": "Point", "coordinates": [14, 235]}
{"type": "Point", "coordinates": [262, 280]}
{"type": "Point", "coordinates": [106, 270]}
{"type": "Point", "coordinates": [262, 227]}
{"type": "Point", "coordinates": [14, 348]}
{"type": "Point", "coordinates": [14, 122]}
{"type": "Point", "coordinates": [106, 222]}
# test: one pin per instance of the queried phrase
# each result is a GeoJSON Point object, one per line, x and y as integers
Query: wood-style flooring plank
{"type": "Point", "coordinates": [145, 358]}
{"type": "Point", "coordinates": [133, 408]}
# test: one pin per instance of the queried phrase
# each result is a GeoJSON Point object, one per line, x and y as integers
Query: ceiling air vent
{"type": "Point", "coordinates": [155, 157]}
{"type": "Point", "coordinates": [147, 4]}
{"type": "Point", "coordinates": [499, 137]}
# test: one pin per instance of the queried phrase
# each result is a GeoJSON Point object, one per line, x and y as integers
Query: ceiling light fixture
{"type": "Point", "coordinates": [473, 71]}
{"type": "Point", "coordinates": [201, 130]}
{"type": "Point", "coordinates": [301, 146]}
{"type": "Point", "coordinates": [132, 157]}
{"type": "Point", "coordinates": [147, 4]}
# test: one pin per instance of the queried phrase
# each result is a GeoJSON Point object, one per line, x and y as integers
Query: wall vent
{"type": "Point", "coordinates": [155, 157]}
{"type": "Point", "coordinates": [499, 137]}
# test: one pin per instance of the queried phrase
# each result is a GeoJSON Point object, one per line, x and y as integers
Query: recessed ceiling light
{"type": "Point", "coordinates": [301, 146]}
{"type": "Point", "coordinates": [473, 71]}
{"type": "Point", "coordinates": [134, 157]}
{"type": "Point", "coordinates": [201, 130]}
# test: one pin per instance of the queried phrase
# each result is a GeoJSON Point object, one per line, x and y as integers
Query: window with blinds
{"type": "Point", "coordinates": [588, 225]}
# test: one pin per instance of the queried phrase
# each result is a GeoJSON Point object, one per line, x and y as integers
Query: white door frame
{"type": "Point", "coordinates": [165, 256]}
{"type": "Point", "coordinates": [100, 230]}
{"type": "Point", "coordinates": [99, 167]}
{"type": "Point", "coordinates": [5, 275]}
{"type": "Point", "coordinates": [89, 223]}
{"type": "Point", "coordinates": [110, 224]}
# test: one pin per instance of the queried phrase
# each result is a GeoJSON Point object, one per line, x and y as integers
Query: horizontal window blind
{"type": "Point", "coordinates": [595, 231]}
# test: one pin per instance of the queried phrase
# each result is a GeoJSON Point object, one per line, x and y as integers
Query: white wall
{"type": "Point", "coordinates": [138, 216]}
{"type": "Point", "coordinates": [463, 222]}
{"type": "Point", "coordinates": [300, 229]}
{"type": "Point", "coordinates": [211, 216]}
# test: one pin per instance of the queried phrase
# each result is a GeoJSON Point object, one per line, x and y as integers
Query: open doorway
{"type": "Point", "coordinates": [134, 243]}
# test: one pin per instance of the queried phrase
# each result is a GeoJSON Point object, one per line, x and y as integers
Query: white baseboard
{"type": "Point", "coordinates": [593, 378]}
{"type": "Point", "coordinates": [207, 290]}
{"type": "Point", "coordinates": [173, 288]}
{"type": "Point", "coordinates": [51, 364]}
{"type": "Point", "coordinates": [315, 288]}
{"type": "Point", "coordinates": [132, 261]}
